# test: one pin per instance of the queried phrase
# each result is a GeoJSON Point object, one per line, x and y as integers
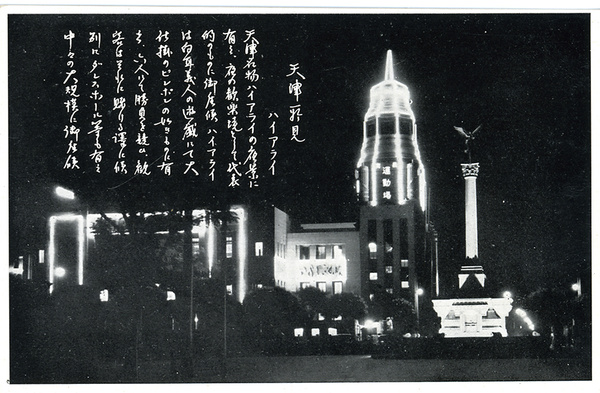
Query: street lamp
{"type": "Point", "coordinates": [418, 292]}
{"type": "Point", "coordinates": [60, 272]}
{"type": "Point", "coordinates": [577, 287]}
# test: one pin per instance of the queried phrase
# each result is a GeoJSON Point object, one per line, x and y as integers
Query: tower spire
{"type": "Point", "coordinates": [389, 66]}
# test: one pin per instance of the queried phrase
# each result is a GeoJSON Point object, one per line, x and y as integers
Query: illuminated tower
{"type": "Point", "coordinates": [391, 188]}
{"type": "Point", "coordinates": [389, 170]}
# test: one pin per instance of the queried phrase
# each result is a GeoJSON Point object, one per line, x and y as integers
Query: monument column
{"type": "Point", "coordinates": [470, 172]}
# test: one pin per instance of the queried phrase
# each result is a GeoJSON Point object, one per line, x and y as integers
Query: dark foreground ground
{"type": "Point", "coordinates": [365, 368]}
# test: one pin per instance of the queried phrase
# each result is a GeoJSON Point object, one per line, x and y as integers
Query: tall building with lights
{"type": "Point", "coordinates": [391, 187]}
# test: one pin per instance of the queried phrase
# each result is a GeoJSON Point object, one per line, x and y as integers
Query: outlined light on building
{"type": "Point", "coordinates": [80, 220]}
{"type": "Point", "coordinates": [242, 252]}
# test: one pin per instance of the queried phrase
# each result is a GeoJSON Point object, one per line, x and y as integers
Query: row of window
{"type": "Point", "coordinates": [258, 248]}
{"type": "Point", "coordinates": [387, 126]}
{"type": "Point", "coordinates": [389, 268]}
{"type": "Point", "coordinates": [320, 252]}
{"type": "Point", "coordinates": [337, 286]}
{"type": "Point", "coordinates": [373, 276]}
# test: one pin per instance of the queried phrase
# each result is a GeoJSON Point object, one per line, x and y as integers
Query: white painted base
{"type": "Point", "coordinates": [478, 317]}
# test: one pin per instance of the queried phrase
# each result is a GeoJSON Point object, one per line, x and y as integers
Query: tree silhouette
{"type": "Point", "coordinates": [313, 300]}
{"type": "Point", "coordinates": [271, 314]}
{"type": "Point", "coordinates": [347, 305]}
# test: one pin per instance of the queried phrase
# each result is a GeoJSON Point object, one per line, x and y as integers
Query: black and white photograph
{"type": "Point", "coordinates": [237, 195]}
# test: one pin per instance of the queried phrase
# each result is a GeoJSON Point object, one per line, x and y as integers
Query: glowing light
{"type": "Point", "coordinates": [64, 193]}
{"type": "Point", "coordinates": [242, 252]}
{"type": "Point", "coordinates": [60, 272]}
{"type": "Point", "coordinates": [521, 313]}
{"type": "Point", "coordinates": [507, 295]}
{"type": "Point", "coordinates": [372, 247]}
{"type": "Point", "coordinates": [374, 190]}
{"type": "Point", "coordinates": [575, 287]}
{"type": "Point", "coordinates": [370, 324]}
{"type": "Point", "coordinates": [201, 228]}
{"type": "Point", "coordinates": [409, 181]}
{"type": "Point", "coordinates": [419, 291]}
{"type": "Point", "coordinates": [81, 239]}
{"type": "Point", "coordinates": [210, 247]}
{"type": "Point", "coordinates": [51, 252]}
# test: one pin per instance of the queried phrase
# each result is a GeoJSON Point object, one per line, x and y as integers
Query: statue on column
{"type": "Point", "coordinates": [469, 136]}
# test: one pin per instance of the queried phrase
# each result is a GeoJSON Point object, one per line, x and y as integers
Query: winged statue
{"type": "Point", "coordinates": [469, 136]}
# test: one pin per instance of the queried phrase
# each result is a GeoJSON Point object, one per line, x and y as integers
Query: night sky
{"type": "Point", "coordinates": [524, 77]}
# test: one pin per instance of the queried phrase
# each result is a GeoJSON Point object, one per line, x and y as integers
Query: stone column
{"type": "Point", "coordinates": [470, 172]}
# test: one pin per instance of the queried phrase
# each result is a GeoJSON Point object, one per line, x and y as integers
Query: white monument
{"type": "Point", "coordinates": [477, 316]}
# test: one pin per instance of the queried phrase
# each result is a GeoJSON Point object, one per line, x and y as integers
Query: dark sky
{"type": "Point", "coordinates": [524, 77]}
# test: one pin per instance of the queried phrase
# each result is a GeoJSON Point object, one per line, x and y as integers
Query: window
{"type": "Point", "coordinates": [304, 252]}
{"type": "Point", "coordinates": [387, 125]}
{"type": "Point", "coordinates": [229, 247]}
{"type": "Point", "coordinates": [372, 250]}
{"type": "Point", "coordinates": [337, 287]}
{"type": "Point", "coordinates": [315, 332]}
{"type": "Point", "coordinates": [321, 252]}
{"type": "Point", "coordinates": [371, 128]}
{"type": "Point", "coordinates": [404, 284]}
{"type": "Point", "coordinates": [258, 249]}
{"type": "Point", "coordinates": [230, 289]}
{"type": "Point", "coordinates": [338, 252]}
{"type": "Point", "coordinates": [322, 286]}
{"type": "Point", "coordinates": [406, 126]}
{"type": "Point", "coordinates": [389, 269]}
{"type": "Point", "coordinates": [373, 276]}
{"type": "Point", "coordinates": [404, 263]}
{"type": "Point", "coordinates": [304, 285]}
{"type": "Point", "coordinates": [389, 290]}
